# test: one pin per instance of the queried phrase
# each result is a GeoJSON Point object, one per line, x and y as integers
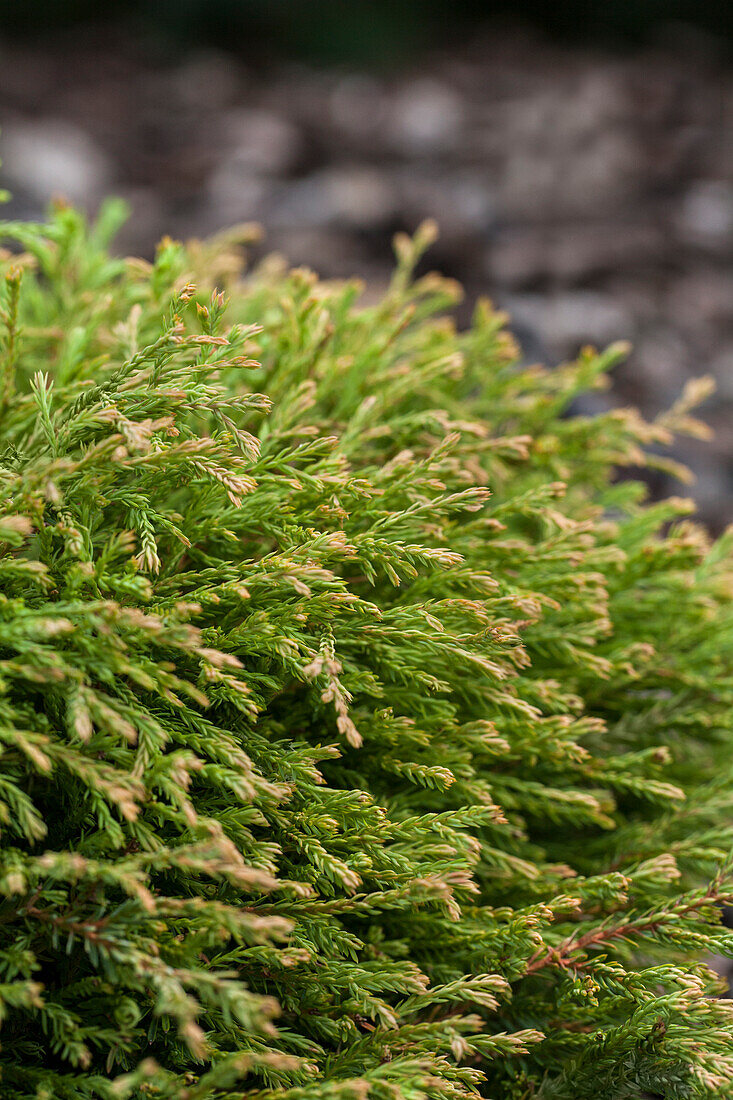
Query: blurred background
{"type": "Point", "coordinates": [577, 156]}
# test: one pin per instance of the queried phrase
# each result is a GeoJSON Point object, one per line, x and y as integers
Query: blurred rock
{"type": "Point", "coordinates": [569, 321]}
{"type": "Point", "coordinates": [353, 195]}
{"type": "Point", "coordinates": [358, 105]}
{"type": "Point", "coordinates": [258, 141]}
{"type": "Point", "coordinates": [706, 216]}
{"type": "Point", "coordinates": [147, 214]}
{"type": "Point", "coordinates": [462, 203]}
{"type": "Point", "coordinates": [721, 368]}
{"type": "Point", "coordinates": [517, 257]}
{"type": "Point", "coordinates": [426, 117]}
{"type": "Point", "coordinates": [52, 157]}
{"type": "Point", "coordinates": [596, 248]}
{"type": "Point", "coordinates": [663, 363]}
{"type": "Point", "coordinates": [210, 80]}
{"type": "Point", "coordinates": [234, 195]}
{"type": "Point", "coordinates": [702, 299]}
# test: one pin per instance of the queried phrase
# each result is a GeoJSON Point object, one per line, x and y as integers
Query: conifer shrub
{"type": "Point", "coordinates": [363, 735]}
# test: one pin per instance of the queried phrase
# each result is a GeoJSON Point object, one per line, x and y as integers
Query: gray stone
{"type": "Point", "coordinates": [706, 214]}
{"type": "Point", "coordinates": [568, 321]}
{"type": "Point", "coordinates": [207, 80]}
{"type": "Point", "coordinates": [149, 219]}
{"type": "Point", "coordinates": [662, 364]}
{"type": "Point", "coordinates": [51, 157]}
{"type": "Point", "coordinates": [721, 368]}
{"type": "Point", "coordinates": [591, 248]}
{"type": "Point", "coordinates": [235, 194]}
{"type": "Point", "coordinates": [357, 196]}
{"type": "Point", "coordinates": [358, 105]}
{"type": "Point", "coordinates": [258, 141]}
{"type": "Point", "coordinates": [426, 118]}
{"type": "Point", "coordinates": [516, 257]}
{"type": "Point", "coordinates": [462, 202]}
{"type": "Point", "coordinates": [701, 299]}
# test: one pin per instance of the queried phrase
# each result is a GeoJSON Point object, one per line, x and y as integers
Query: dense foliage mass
{"type": "Point", "coordinates": [362, 734]}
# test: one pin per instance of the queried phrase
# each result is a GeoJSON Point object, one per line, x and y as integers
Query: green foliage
{"type": "Point", "coordinates": [361, 734]}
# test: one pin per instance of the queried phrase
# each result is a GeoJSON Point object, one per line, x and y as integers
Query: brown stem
{"type": "Point", "coordinates": [561, 955]}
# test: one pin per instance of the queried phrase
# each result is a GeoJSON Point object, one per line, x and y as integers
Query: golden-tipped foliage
{"type": "Point", "coordinates": [362, 734]}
